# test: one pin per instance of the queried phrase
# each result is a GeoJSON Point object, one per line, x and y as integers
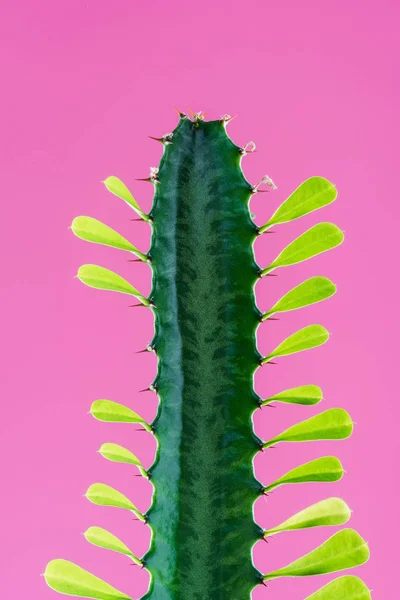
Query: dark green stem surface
{"type": "Point", "coordinates": [203, 278]}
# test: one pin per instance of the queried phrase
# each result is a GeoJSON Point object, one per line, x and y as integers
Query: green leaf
{"type": "Point", "coordinates": [104, 495]}
{"type": "Point", "coordinates": [333, 424]}
{"type": "Point", "coordinates": [104, 279]}
{"type": "Point", "coordinates": [332, 511]}
{"type": "Point", "coordinates": [309, 337]}
{"type": "Point", "coordinates": [116, 187]}
{"type": "Point", "coordinates": [67, 578]}
{"type": "Point", "coordinates": [312, 194]}
{"type": "Point", "coordinates": [109, 411]}
{"type": "Point", "coordinates": [314, 241]}
{"type": "Point", "coordinates": [347, 587]}
{"type": "Point", "coordinates": [104, 539]}
{"type": "Point", "coordinates": [311, 291]}
{"type": "Point", "coordinates": [326, 469]}
{"type": "Point", "coordinates": [92, 230]}
{"type": "Point", "coordinates": [116, 453]}
{"type": "Point", "coordinates": [344, 550]}
{"type": "Point", "coordinates": [305, 394]}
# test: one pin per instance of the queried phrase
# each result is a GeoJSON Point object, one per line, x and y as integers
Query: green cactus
{"type": "Point", "coordinates": [204, 273]}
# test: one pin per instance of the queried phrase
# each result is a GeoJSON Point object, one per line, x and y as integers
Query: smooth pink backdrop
{"type": "Point", "coordinates": [316, 86]}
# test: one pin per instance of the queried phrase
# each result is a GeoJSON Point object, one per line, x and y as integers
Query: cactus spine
{"type": "Point", "coordinates": [206, 319]}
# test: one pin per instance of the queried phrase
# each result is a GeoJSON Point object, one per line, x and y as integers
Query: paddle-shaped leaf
{"type": "Point", "coordinates": [311, 291]}
{"type": "Point", "coordinates": [332, 511]}
{"type": "Point", "coordinates": [314, 241]}
{"type": "Point", "coordinates": [92, 230]}
{"type": "Point", "coordinates": [327, 469]}
{"type": "Point", "coordinates": [347, 587]}
{"type": "Point", "coordinates": [113, 412]}
{"type": "Point", "coordinates": [116, 187]}
{"type": "Point", "coordinates": [116, 453]}
{"type": "Point", "coordinates": [312, 194]}
{"type": "Point", "coordinates": [307, 338]}
{"type": "Point", "coordinates": [343, 550]}
{"type": "Point", "coordinates": [67, 578]}
{"type": "Point", "coordinates": [104, 539]}
{"type": "Point", "coordinates": [104, 495]}
{"type": "Point", "coordinates": [305, 394]}
{"type": "Point", "coordinates": [333, 424]}
{"type": "Point", "coordinates": [104, 279]}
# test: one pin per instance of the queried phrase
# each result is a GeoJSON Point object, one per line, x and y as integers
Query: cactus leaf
{"type": "Point", "coordinates": [307, 338]}
{"type": "Point", "coordinates": [116, 187]}
{"type": "Point", "coordinates": [305, 394]}
{"type": "Point", "coordinates": [67, 578]}
{"type": "Point", "coordinates": [104, 539]}
{"type": "Point", "coordinates": [326, 468]}
{"type": "Point", "coordinates": [332, 424]}
{"type": "Point", "coordinates": [311, 291]}
{"type": "Point", "coordinates": [312, 194]}
{"type": "Point", "coordinates": [332, 511]}
{"type": "Point", "coordinates": [92, 230]}
{"type": "Point", "coordinates": [104, 495]}
{"type": "Point", "coordinates": [344, 550]}
{"type": "Point", "coordinates": [117, 453]}
{"type": "Point", "coordinates": [320, 238]}
{"type": "Point", "coordinates": [347, 587]}
{"type": "Point", "coordinates": [104, 279]}
{"type": "Point", "coordinates": [113, 412]}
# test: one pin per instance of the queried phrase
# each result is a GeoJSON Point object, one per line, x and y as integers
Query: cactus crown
{"type": "Point", "coordinates": [204, 273]}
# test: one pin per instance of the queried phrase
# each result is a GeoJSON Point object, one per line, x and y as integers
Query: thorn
{"type": "Point", "coordinates": [264, 180]}
{"type": "Point", "coordinates": [268, 231]}
{"type": "Point", "coordinates": [271, 275]}
{"type": "Point", "coordinates": [135, 305]}
{"type": "Point", "coordinates": [135, 260]}
{"type": "Point", "coordinates": [265, 540]}
{"type": "Point", "coordinates": [138, 219]}
{"type": "Point", "coordinates": [272, 319]}
{"type": "Point", "coordinates": [227, 118]}
{"type": "Point", "coordinates": [248, 148]}
{"type": "Point", "coordinates": [181, 114]}
{"type": "Point", "coordinates": [144, 179]}
{"type": "Point", "coordinates": [165, 139]}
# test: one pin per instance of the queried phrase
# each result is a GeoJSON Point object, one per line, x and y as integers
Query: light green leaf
{"type": "Point", "coordinates": [312, 194]}
{"type": "Point", "coordinates": [333, 424]}
{"type": "Point", "coordinates": [305, 394]}
{"type": "Point", "coordinates": [104, 279]}
{"type": "Point", "coordinates": [309, 337]}
{"type": "Point", "coordinates": [92, 230]}
{"type": "Point", "coordinates": [344, 550]}
{"type": "Point", "coordinates": [113, 412]}
{"type": "Point", "coordinates": [116, 453]}
{"type": "Point", "coordinates": [347, 587]}
{"type": "Point", "coordinates": [116, 187]}
{"type": "Point", "coordinates": [104, 495]}
{"type": "Point", "coordinates": [104, 539]}
{"type": "Point", "coordinates": [326, 469]}
{"type": "Point", "coordinates": [332, 511]}
{"type": "Point", "coordinates": [67, 578]}
{"type": "Point", "coordinates": [314, 241]}
{"type": "Point", "coordinates": [311, 291]}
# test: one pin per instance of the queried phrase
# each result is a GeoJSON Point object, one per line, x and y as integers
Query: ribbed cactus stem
{"type": "Point", "coordinates": [203, 278]}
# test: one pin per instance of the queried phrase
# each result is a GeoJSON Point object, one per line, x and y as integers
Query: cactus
{"type": "Point", "coordinates": [204, 273]}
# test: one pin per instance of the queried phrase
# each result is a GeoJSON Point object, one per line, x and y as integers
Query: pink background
{"type": "Point", "coordinates": [315, 85]}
